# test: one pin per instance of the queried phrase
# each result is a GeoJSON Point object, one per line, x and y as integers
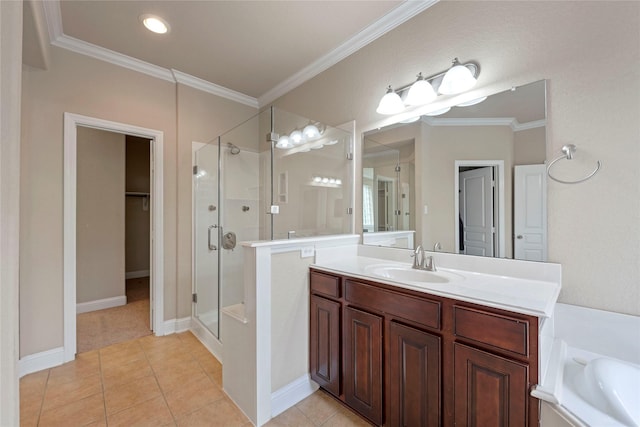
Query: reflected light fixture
{"type": "Point", "coordinates": [284, 142]}
{"type": "Point", "coordinates": [296, 137]}
{"type": "Point", "coordinates": [154, 23]}
{"type": "Point", "coordinates": [311, 132]}
{"type": "Point", "coordinates": [420, 93]}
{"type": "Point", "coordinates": [390, 103]}
{"type": "Point", "coordinates": [457, 79]}
{"type": "Point", "coordinates": [471, 102]}
{"type": "Point", "coordinates": [438, 112]}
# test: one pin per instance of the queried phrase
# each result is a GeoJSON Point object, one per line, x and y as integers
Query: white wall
{"type": "Point", "coordinates": [579, 47]}
{"type": "Point", "coordinates": [100, 226]}
{"type": "Point", "coordinates": [10, 67]}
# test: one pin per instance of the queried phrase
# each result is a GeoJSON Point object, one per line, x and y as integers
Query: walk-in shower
{"type": "Point", "coordinates": [250, 186]}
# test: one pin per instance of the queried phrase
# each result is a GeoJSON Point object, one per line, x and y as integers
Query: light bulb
{"type": "Point", "coordinates": [283, 142]}
{"type": "Point", "coordinates": [154, 23]}
{"type": "Point", "coordinates": [332, 180]}
{"type": "Point", "coordinates": [457, 79]}
{"type": "Point", "coordinates": [296, 137]}
{"type": "Point", "coordinates": [390, 103]}
{"type": "Point", "coordinates": [311, 132]}
{"type": "Point", "coordinates": [325, 180]}
{"type": "Point", "coordinates": [420, 93]}
{"type": "Point", "coordinates": [338, 181]}
{"type": "Point", "coordinates": [317, 179]}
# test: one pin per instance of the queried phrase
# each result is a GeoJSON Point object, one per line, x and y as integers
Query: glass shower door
{"type": "Point", "coordinates": [206, 250]}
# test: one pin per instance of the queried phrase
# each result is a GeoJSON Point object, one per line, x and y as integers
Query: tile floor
{"type": "Point", "coordinates": [153, 381]}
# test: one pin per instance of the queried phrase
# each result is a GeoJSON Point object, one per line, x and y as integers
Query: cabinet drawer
{"type": "Point", "coordinates": [417, 310]}
{"type": "Point", "coordinates": [493, 330]}
{"type": "Point", "coordinates": [325, 284]}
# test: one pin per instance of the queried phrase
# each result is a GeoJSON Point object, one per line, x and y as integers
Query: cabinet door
{"type": "Point", "coordinates": [414, 377]}
{"type": "Point", "coordinates": [363, 363]}
{"type": "Point", "coordinates": [489, 390]}
{"type": "Point", "coordinates": [325, 343]}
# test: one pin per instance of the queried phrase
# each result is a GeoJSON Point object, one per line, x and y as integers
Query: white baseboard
{"type": "Point", "coordinates": [136, 274]}
{"type": "Point", "coordinates": [176, 325]}
{"type": "Point", "coordinates": [101, 304]}
{"type": "Point", "coordinates": [39, 361]}
{"type": "Point", "coordinates": [292, 393]}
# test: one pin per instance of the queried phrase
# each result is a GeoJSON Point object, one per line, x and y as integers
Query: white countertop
{"type": "Point", "coordinates": [532, 297]}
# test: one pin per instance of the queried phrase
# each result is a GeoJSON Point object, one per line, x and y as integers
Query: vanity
{"type": "Point", "coordinates": [405, 347]}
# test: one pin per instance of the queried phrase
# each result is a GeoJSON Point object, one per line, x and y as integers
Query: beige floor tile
{"type": "Point", "coordinates": [32, 386]}
{"type": "Point", "coordinates": [194, 395]}
{"type": "Point", "coordinates": [131, 345]}
{"type": "Point", "coordinates": [151, 413]}
{"type": "Point", "coordinates": [117, 375]}
{"type": "Point", "coordinates": [319, 407]}
{"type": "Point", "coordinates": [85, 364]}
{"type": "Point", "coordinates": [152, 342]}
{"type": "Point", "coordinates": [125, 355]}
{"type": "Point", "coordinates": [78, 413]}
{"type": "Point", "coordinates": [121, 397]}
{"type": "Point", "coordinates": [222, 413]}
{"type": "Point", "coordinates": [171, 356]}
{"type": "Point", "coordinates": [170, 377]}
{"type": "Point", "coordinates": [71, 391]}
{"type": "Point", "coordinates": [345, 418]}
{"type": "Point", "coordinates": [292, 417]}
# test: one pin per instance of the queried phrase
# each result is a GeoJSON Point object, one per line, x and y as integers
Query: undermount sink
{"type": "Point", "coordinates": [407, 274]}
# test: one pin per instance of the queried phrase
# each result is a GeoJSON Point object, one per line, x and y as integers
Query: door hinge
{"type": "Point", "coordinates": [349, 156]}
{"type": "Point", "coordinates": [398, 169]}
{"type": "Point", "coordinates": [349, 211]}
{"type": "Point", "coordinates": [194, 298]}
{"type": "Point", "coordinates": [195, 170]}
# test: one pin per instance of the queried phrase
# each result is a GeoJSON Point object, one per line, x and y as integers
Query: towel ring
{"type": "Point", "coordinates": [569, 151]}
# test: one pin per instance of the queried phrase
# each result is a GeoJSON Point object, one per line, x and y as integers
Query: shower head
{"type": "Point", "coordinates": [233, 149]}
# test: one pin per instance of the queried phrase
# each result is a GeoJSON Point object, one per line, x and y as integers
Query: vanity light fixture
{"type": "Point", "coordinates": [154, 23]}
{"type": "Point", "coordinates": [296, 137]}
{"type": "Point", "coordinates": [311, 132]}
{"type": "Point", "coordinates": [324, 181]}
{"type": "Point", "coordinates": [457, 79]}
{"type": "Point", "coordinates": [284, 142]}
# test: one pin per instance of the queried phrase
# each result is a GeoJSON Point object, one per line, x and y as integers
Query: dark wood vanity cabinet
{"type": "Point", "coordinates": [406, 358]}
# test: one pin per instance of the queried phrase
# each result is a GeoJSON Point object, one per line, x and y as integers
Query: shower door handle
{"type": "Point", "coordinates": [212, 247]}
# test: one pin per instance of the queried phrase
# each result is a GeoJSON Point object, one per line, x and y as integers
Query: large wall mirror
{"type": "Point", "coordinates": [469, 181]}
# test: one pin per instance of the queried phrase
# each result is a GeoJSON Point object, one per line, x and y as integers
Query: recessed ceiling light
{"type": "Point", "coordinates": [154, 23]}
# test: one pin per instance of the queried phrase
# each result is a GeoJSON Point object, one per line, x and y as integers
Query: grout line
{"type": "Point", "coordinates": [104, 397]}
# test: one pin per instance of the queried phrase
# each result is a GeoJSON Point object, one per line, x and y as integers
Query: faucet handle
{"type": "Point", "coordinates": [430, 263]}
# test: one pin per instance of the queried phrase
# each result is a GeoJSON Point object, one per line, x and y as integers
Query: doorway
{"type": "Point", "coordinates": [479, 212]}
{"type": "Point", "coordinates": [72, 123]}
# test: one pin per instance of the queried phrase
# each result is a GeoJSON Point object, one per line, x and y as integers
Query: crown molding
{"type": "Point", "coordinates": [529, 125]}
{"type": "Point", "coordinates": [495, 121]}
{"type": "Point", "coordinates": [405, 11]}
{"type": "Point", "coordinates": [212, 88]}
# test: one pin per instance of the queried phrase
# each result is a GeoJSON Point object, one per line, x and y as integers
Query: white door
{"type": "Point", "coordinates": [529, 211]}
{"type": "Point", "coordinates": [476, 211]}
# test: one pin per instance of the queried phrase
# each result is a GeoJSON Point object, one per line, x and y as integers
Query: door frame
{"type": "Point", "coordinates": [498, 167]}
{"type": "Point", "coordinates": [71, 123]}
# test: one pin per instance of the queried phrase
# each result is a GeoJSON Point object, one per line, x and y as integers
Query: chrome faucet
{"type": "Point", "coordinates": [422, 262]}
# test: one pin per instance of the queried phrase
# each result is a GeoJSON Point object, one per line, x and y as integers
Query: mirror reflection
{"type": "Point", "coordinates": [470, 181]}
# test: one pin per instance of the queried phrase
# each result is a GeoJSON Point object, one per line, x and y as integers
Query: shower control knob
{"type": "Point", "coordinates": [519, 236]}
{"type": "Point", "coordinates": [212, 208]}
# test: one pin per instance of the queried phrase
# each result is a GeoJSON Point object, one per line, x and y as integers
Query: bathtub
{"type": "Point", "coordinates": [589, 368]}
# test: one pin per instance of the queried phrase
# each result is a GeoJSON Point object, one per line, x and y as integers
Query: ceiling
{"type": "Point", "coordinates": [255, 50]}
